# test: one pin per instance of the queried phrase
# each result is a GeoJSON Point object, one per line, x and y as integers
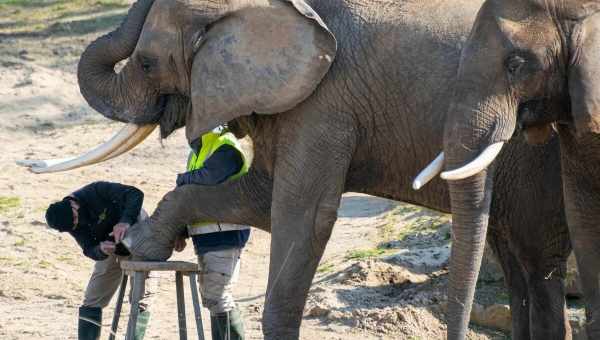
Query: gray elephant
{"type": "Point", "coordinates": [532, 66]}
{"type": "Point", "coordinates": [336, 96]}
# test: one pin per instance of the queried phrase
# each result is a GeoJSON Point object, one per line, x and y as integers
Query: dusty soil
{"type": "Point", "coordinates": [383, 275]}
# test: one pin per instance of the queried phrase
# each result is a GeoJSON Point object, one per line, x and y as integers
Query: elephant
{"type": "Point", "coordinates": [531, 67]}
{"type": "Point", "coordinates": [336, 96]}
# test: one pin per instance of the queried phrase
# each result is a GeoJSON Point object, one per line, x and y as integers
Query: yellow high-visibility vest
{"type": "Point", "coordinates": [211, 142]}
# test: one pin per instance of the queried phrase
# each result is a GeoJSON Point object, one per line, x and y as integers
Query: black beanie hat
{"type": "Point", "coordinates": [59, 215]}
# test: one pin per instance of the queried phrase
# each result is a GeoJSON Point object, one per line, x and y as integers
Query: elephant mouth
{"type": "Point", "coordinates": [534, 120]}
{"type": "Point", "coordinates": [175, 108]}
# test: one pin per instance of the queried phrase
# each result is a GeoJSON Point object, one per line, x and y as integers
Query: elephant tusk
{"type": "Point", "coordinates": [429, 172]}
{"type": "Point", "coordinates": [131, 142]}
{"type": "Point", "coordinates": [476, 166]}
{"type": "Point", "coordinates": [126, 139]}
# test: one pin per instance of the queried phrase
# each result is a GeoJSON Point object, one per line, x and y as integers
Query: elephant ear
{"type": "Point", "coordinates": [264, 59]}
{"type": "Point", "coordinates": [584, 76]}
{"type": "Point", "coordinates": [570, 9]}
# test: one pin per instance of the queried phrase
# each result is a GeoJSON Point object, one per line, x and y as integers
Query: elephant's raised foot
{"type": "Point", "coordinates": [145, 244]}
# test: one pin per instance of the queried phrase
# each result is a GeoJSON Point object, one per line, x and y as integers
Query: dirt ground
{"type": "Point", "coordinates": [383, 275]}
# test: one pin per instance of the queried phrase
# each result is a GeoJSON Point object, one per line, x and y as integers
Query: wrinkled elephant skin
{"type": "Point", "coordinates": [336, 96]}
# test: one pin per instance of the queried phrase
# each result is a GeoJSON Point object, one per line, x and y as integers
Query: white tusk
{"type": "Point", "coordinates": [476, 166]}
{"type": "Point", "coordinates": [429, 172]}
{"type": "Point", "coordinates": [130, 136]}
{"type": "Point", "coordinates": [135, 139]}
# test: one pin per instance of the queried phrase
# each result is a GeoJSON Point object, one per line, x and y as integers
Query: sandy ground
{"type": "Point", "coordinates": [382, 277]}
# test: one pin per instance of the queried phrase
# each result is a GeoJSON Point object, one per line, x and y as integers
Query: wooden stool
{"type": "Point", "coordinates": [139, 270]}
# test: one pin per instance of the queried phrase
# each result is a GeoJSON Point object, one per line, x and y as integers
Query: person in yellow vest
{"type": "Point", "coordinates": [217, 157]}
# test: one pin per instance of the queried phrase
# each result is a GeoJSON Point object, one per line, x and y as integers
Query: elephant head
{"type": "Point", "coordinates": [231, 58]}
{"type": "Point", "coordinates": [200, 63]}
{"type": "Point", "coordinates": [528, 65]}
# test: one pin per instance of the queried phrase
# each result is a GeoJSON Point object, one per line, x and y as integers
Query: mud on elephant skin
{"type": "Point", "coordinates": [336, 96]}
{"type": "Point", "coordinates": [532, 66]}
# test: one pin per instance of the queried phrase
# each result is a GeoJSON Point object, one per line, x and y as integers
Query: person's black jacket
{"type": "Point", "coordinates": [101, 206]}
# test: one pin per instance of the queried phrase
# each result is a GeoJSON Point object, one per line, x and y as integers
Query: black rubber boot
{"type": "Point", "coordinates": [90, 322]}
{"type": "Point", "coordinates": [227, 326]}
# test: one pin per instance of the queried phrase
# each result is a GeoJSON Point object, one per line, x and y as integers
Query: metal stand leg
{"type": "Point", "coordinates": [197, 307]}
{"type": "Point", "coordinates": [139, 279]}
{"type": "Point", "coordinates": [180, 306]}
{"type": "Point", "coordinates": [117, 315]}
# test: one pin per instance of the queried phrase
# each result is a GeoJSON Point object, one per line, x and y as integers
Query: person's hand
{"type": "Point", "coordinates": [180, 244]}
{"type": "Point", "coordinates": [107, 247]}
{"type": "Point", "coordinates": [119, 231]}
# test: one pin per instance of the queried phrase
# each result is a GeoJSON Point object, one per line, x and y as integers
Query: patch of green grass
{"type": "Point", "coordinates": [325, 268]}
{"type": "Point", "coordinates": [9, 202]}
{"type": "Point", "coordinates": [45, 264]}
{"type": "Point", "coordinates": [362, 254]}
{"type": "Point", "coordinates": [386, 231]}
{"type": "Point", "coordinates": [422, 225]}
{"type": "Point", "coordinates": [29, 16]}
{"type": "Point", "coordinates": [64, 258]}
{"type": "Point", "coordinates": [405, 209]}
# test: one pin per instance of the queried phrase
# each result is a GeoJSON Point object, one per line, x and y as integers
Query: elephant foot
{"type": "Point", "coordinates": [287, 334]}
{"type": "Point", "coordinates": [144, 243]}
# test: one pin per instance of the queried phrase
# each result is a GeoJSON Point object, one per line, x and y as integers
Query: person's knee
{"type": "Point", "coordinates": [95, 303]}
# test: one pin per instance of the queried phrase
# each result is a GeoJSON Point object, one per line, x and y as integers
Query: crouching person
{"type": "Point", "coordinates": [215, 158]}
{"type": "Point", "coordinates": [97, 216]}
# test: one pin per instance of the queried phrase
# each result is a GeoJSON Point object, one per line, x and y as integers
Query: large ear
{"type": "Point", "coordinates": [584, 76]}
{"type": "Point", "coordinates": [570, 9]}
{"type": "Point", "coordinates": [264, 58]}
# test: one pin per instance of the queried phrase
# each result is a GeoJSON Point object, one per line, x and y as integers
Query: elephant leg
{"type": "Point", "coordinates": [547, 269]}
{"type": "Point", "coordinates": [583, 214]}
{"type": "Point", "coordinates": [581, 168]}
{"type": "Point", "coordinates": [515, 281]}
{"type": "Point", "coordinates": [298, 240]}
{"type": "Point", "coordinates": [244, 201]}
{"type": "Point", "coordinates": [304, 210]}
{"type": "Point", "coordinates": [548, 310]}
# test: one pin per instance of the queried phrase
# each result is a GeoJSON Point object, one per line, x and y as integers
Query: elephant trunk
{"type": "Point", "coordinates": [474, 135]}
{"type": "Point", "coordinates": [470, 200]}
{"type": "Point", "coordinates": [118, 96]}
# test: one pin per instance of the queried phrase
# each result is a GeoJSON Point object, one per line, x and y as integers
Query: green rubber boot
{"type": "Point", "coordinates": [142, 323]}
{"type": "Point", "coordinates": [227, 326]}
{"type": "Point", "coordinates": [90, 320]}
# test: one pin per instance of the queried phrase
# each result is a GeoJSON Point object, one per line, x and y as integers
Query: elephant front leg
{"type": "Point", "coordinates": [298, 239]}
{"type": "Point", "coordinates": [548, 310]}
{"type": "Point", "coordinates": [310, 174]}
{"type": "Point", "coordinates": [583, 214]}
{"type": "Point", "coordinates": [581, 170]}
{"type": "Point", "coordinates": [244, 201]}
{"type": "Point", "coordinates": [514, 278]}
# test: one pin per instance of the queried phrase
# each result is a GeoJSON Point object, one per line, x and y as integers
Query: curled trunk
{"type": "Point", "coordinates": [118, 96]}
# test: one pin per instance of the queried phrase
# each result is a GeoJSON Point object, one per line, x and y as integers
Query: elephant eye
{"type": "Point", "coordinates": [514, 64]}
{"type": "Point", "coordinates": [147, 64]}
